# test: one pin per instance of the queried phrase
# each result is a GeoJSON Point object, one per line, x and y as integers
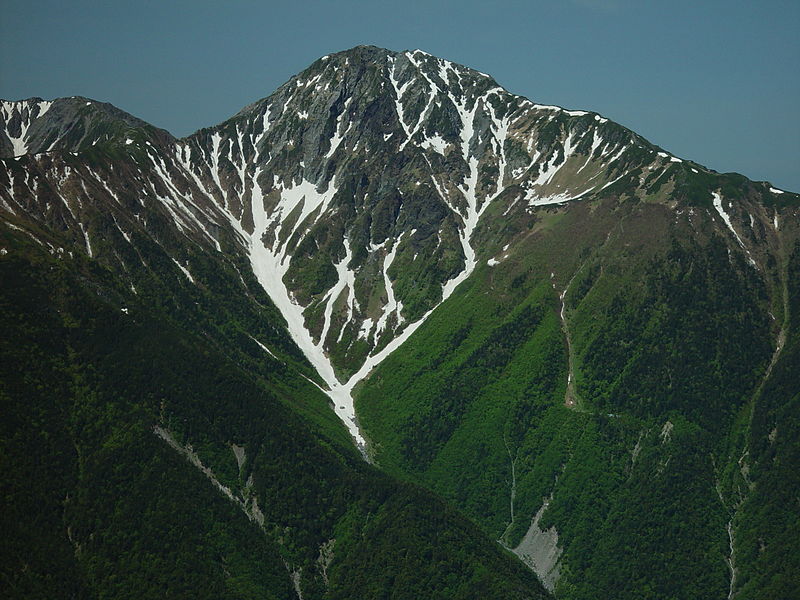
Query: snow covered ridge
{"type": "Point", "coordinates": [16, 119]}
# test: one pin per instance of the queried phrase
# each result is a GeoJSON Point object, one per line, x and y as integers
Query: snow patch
{"type": "Point", "coordinates": [263, 347]}
{"type": "Point", "coordinates": [436, 142]}
{"type": "Point", "coordinates": [184, 270]}
{"type": "Point", "coordinates": [725, 217]}
{"type": "Point", "coordinates": [346, 280]}
{"type": "Point", "coordinates": [44, 106]}
{"type": "Point", "coordinates": [392, 305]}
{"type": "Point", "coordinates": [86, 237]}
{"type": "Point", "coordinates": [534, 200]}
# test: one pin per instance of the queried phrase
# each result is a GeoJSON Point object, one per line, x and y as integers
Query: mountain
{"type": "Point", "coordinates": [580, 342]}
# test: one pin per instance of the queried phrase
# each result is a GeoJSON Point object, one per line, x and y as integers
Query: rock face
{"type": "Point", "coordinates": [539, 550]}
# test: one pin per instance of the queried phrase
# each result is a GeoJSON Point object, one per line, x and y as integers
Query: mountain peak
{"type": "Point", "coordinates": [70, 124]}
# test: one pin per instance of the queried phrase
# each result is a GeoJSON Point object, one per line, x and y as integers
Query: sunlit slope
{"type": "Point", "coordinates": [600, 366]}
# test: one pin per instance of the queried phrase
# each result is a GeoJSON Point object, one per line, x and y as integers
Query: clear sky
{"type": "Point", "coordinates": [715, 81]}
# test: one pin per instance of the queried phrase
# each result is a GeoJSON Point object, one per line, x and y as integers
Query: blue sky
{"type": "Point", "coordinates": [715, 81]}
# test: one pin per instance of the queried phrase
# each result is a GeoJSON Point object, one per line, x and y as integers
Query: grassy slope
{"type": "Point", "coordinates": [99, 506]}
{"type": "Point", "coordinates": [670, 339]}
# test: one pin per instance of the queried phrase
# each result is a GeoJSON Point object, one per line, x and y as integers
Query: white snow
{"type": "Point", "coordinates": [184, 270]}
{"type": "Point", "coordinates": [534, 200]}
{"type": "Point", "coordinates": [216, 138]}
{"type": "Point", "coordinates": [470, 219]}
{"type": "Point", "coordinates": [675, 159]}
{"type": "Point", "coordinates": [346, 280]}
{"type": "Point", "coordinates": [600, 119]}
{"type": "Point", "coordinates": [86, 237]}
{"type": "Point", "coordinates": [444, 68]}
{"type": "Point", "coordinates": [19, 144]}
{"type": "Point", "coordinates": [617, 155]}
{"type": "Point", "coordinates": [436, 142]}
{"type": "Point", "coordinates": [180, 205]}
{"type": "Point", "coordinates": [44, 106]}
{"type": "Point", "coordinates": [7, 110]}
{"type": "Point", "coordinates": [399, 91]}
{"type": "Point", "coordinates": [392, 305]}
{"type": "Point", "coordinates": [263, 347]}
{"type": "Point", "coordinates": [547, 107]}
{"type": "Point", "coordinates": [492, 262]}
{"type": "Point", "coordinates": [270, 264]}
{"type": "Point", "coordinates": [775, 190]}
{"type": "Point", "coordinates": [596, 141]}
{"type": "Point", "coordinates": [432, 91]}
{"type": "Point", "coordinates": [725, 217]}
{"type": "Point", "coordinates": [337, 138]}
{"type": "Point", "coordinates": [366, 328]}
{"type": "Point", "coordinates": [550, 168]}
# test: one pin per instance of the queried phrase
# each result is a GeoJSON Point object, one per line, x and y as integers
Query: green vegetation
{"type": "Point", "coordinates": [766, 525]}
{"type": "Point", "coordinates": [671, 338]}
{"type": "Point", "coordinates": [96, 505]}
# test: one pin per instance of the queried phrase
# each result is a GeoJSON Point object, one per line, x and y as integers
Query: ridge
{"type": "Point", "coordinates": [68, 124]}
